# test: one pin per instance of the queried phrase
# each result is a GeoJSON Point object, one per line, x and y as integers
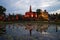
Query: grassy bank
{"type": "Point", "coordinates": [10, 22]}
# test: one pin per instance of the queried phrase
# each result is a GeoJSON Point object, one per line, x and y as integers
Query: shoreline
{"type": "Point", "coordinates": [51, 22]}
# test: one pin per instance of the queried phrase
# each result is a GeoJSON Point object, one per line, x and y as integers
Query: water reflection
{"type": "Point", "coordinates": [56, 28]}
{"type": "Point", "coordinates": [42, 27]}
{"type": "Point", "coordinates": [27, 28]}
{"type": "Point", "coordinates": [2, 29]}
{"type": "Point", "coordinates": [32, 29]}
{"type": "Point", "coordinates": [21, 28]}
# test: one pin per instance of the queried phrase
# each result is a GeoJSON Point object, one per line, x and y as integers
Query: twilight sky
{"type": "Point", "coordinates": [21, 6]}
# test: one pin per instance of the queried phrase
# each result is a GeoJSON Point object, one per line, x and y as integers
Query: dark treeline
{"type": "Point", "coordinates": [19, 17]}
{"type": "Point", "coordinates": [54, 17]}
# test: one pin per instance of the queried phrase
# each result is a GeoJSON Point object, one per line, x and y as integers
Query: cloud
{"type": "Point", "coordinates": [35, 4]}
{"type": "Point", "coordinates": [21, 6]}
{"type": "Point", "coordinates": [57, 11]}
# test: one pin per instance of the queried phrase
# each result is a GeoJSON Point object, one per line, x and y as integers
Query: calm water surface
{"type": "Point", "coordinates": [40, 31]}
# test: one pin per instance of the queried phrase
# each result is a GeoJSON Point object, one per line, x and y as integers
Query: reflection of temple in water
{"type": "Point", "coordinates": [42, 27]}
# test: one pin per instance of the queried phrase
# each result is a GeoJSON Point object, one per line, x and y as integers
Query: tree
{"type": "Point", "coordinates": [2, 10]}
{"type": "Point", "coordinates": [38, 11]}
{"type": "Point", "coordinates": [45, 11]}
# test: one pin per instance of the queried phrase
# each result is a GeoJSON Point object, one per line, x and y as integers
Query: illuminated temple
{"type": "Point", "coordinates": [30, 14]}
{"type": "Point", "coordinates": [43, 15]}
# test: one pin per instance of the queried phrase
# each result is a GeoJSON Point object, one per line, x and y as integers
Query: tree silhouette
{"type": "Point", "coordinates": [38, 11]}
{"type": "Point", "coordinates": [2, 10]}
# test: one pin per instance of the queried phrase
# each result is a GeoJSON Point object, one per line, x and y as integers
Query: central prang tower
{"type": "Point", "coordinates": [30, 9]}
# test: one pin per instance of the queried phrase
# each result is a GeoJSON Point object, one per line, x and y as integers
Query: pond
{"type": "Point", "coordinates": [30, 31]}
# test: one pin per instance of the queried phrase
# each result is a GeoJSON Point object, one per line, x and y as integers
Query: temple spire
{"type": "Point", "coordinates": [30, 9]}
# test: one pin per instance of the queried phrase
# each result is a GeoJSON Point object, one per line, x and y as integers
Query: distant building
{"type": "Point", "coordinates": [2, 17]}
{"type": "Point", "coordinates": [43, 15]}
{"type": "Point", "coordinates": [17, 17]}
{"type": "Point", "coordinates": [30, 14]}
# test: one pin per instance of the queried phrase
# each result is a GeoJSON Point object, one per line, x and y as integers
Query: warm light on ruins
{"type": "Point", "coordinates": [32, 15]}
{"type": "Point", "coordinates": [42, 15]}
{"type": "Point", "coordinates": [26, 16]}
{"type": "Point", "coordinates": [35, 15]}
{"type": "Point", "coordinates": [45, 16]}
